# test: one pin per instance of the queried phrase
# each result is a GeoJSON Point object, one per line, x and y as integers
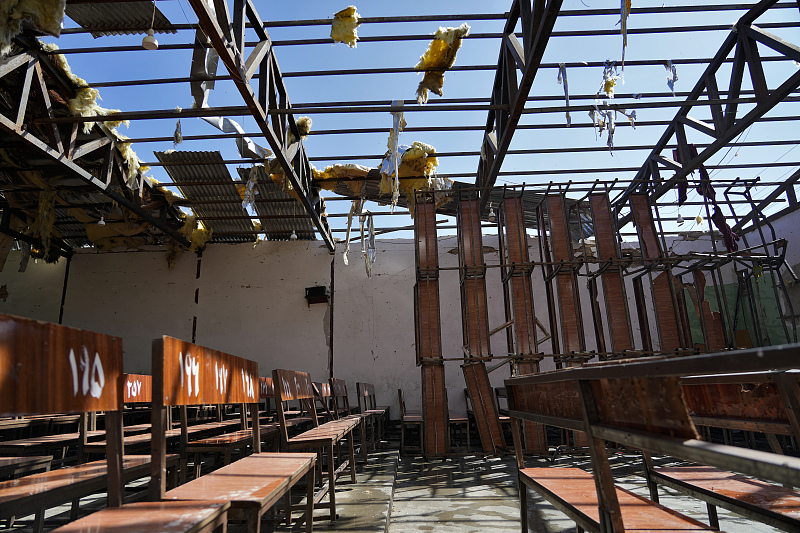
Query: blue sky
{"type": "Point", "coordinates": [473, 84]}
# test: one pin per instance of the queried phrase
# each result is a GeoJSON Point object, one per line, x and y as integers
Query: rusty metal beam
{"type": "Point", "coordinates": [538, 19]}
{"type": "Point", "coordinates": [297, 168]}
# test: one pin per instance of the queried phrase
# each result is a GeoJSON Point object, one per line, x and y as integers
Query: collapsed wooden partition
{"type": "Point", "coordinates": [613, 282]}
{"type": "Point", "coordinates": [515, 273]}
{"type": "Point", "coordinates": [565, 274]}
{"type": "Point", "coordinates": [475, 325]}
{"type": "Point", "coordinates": [667, 289]}
{"type": "Point", "coordinates": [435, 433]}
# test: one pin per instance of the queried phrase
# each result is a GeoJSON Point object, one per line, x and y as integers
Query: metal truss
{"type": "Point", "coordinates": [538, 18]}
{"type": "Point", "coordinates": [270, 108]}
{"type": "Point", "coordinates": [64, 151]}
{"type": "Point", "coordinates": [743, 41]}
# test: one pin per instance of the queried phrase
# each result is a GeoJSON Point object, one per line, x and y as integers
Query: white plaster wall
{"type": "Point", "coordinates": [35, 293]}
{"type": "Point", "coordinates": [133, 296]}
{"type": "Point", "coordinates": [251, 303]}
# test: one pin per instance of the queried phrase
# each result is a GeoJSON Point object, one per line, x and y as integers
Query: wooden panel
{"type": "Point", "coordinates": [524, 317]}
{"type": "Point", "coordinates": [650, 405]}
{"type": "Point", "coordinates": [559, 399]}
{"type": "Point", "coordinates": [666, 311]}
{"type": "Point", "coordinates": [137, 388]}
{"type": "Point", "coordinates": [470, 238]}
{"type": "Point", "coordinates": [266, 387]}
{"type": "Point", "coordinates": [516, 236]}
{"type": "Point", "coordinates": [559, 229]}
{"type": "Point", "coordinates": [475, 317]}
{"type": "Point", "coordinates": [427, 248]}
{"type": "Point", "coordinates": [535, 433]}
{"type": "Point", "coordinates": [436, 423]}
{"type": "Point", "coordinates": [194, 375]}
{"type": "Point", "coordinates": [617, 308]}
{"type": "Point", "coordinates": [293, 385]}
{"type": "Point", "coordinates": [645, 227]}
{"type": "Point", "coordinates": [715, 340]}
{"type": "Point", "coordinates": [47, 368]}
{"type": "Point", "coordinates": [569, 306]}
{"type": "Point", "coordinates": [568, 299]}
{"type": "Point", "coordinates": [484, 407]}
{"type": "Point", "coordinates": [743, 401]}
{"type": "Point", "coordinates": [613, 288]}
{"type": "Point", "coordinates": [516, 242]}
{"type": "Point", "coordinates": [429, 343]}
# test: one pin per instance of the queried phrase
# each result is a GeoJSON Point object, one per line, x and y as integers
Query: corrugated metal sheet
{"type": "Point", "coordinates": [119, 18]}
{"type": "Point", "coordinates": [212, 170]}
{"type": "Point", "coordinates": [278, 229]}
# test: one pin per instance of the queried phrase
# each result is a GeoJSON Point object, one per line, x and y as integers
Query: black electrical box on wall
{"type": "Point", "coordinates": [317, 294]}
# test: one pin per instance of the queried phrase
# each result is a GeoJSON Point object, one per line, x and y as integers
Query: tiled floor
{"type": "Point", "coordinates": [470, 493]}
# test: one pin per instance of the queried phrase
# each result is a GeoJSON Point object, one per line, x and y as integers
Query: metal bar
{"type": "Point", "coordinates": [236, 67]}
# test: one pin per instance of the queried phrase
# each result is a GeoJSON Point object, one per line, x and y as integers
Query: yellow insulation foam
{"type": "Point", "coordinates": [44, 15]}
{"type": "Point", "coordinates": [350, 173]}
{"type": "Point", "coordinates": [419, 160]}
{"type": "Point", "coordinates": [303, 126]}
{"type": "Point", "coordinates": [440, 56]}
{"type": "Point", "coordinates": [343, 28]}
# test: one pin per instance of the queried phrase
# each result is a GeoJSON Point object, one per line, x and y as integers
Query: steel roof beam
{"type": "Point", "coordinates": [228, 40]}
{"type": "Point", "coordinates": [538, 20]}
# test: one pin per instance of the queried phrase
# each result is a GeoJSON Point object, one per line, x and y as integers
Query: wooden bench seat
{"type": "Point", "coordinates": [640, 403]}
{"type": "Point", "coordinates": [254, 484]}
{"type": "Point", "coordinates": [188, 374]}
{"type": "Point", "coordinates": [408, 419]}
{"type": "Point", "coordinates": [766, 502]}
{"type": "Point", "coordinates": [45, 443]}
{"type": "Point", "coordinates": [573, 492]}
{"type": "Point", "coordinates": [759, 402]}
{"type": "Point", "coordinates": [37, 492]}
{"type": "Point", "coordinates": [297, 386]}
{"type": "Point", "coordinates": [367, 403]}
{"type": "Point", "coordinates": [14, 467]}
{"type": "Point", "coordinates": [228, 443]}
{"type": "Point", "coordinates": [164, 517]}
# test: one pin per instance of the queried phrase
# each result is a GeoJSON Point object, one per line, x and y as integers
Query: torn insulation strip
{"type": "Point", "coordinates": [45, 16]}
{"type": "Point", "coordinates": [355, 207]}
{"type": "Point", "coordinates": [248, 195]}
{"type": "Point", "coordinates": [247, 148]}
{"type": "Point", "coordinates": [631, 116]}
{"type": "Point", "coordinates": [367, 240]}
{"type": "Point", "coordinates": [562, 78]}
{"type": "Point", "coordinates": [610, 79]}
{"type": "Point", "coordinates": [418, 162]}
{"type": "Point", "coordinates": [440, 56]}
{"type": "Point", "coordinates": [625, 11]}
{"type": "Point", "coordinates": [204, 67]}
{"type": "Point", "coordinates": [393, 155]}
{"type": "Point", "coordinates": [672, 77]}
{"type": "Point", "coordinates": [603, 120]}
{"type": "Point", "coordinates": [344, 26]}
{"type": "Point", "coordinates": [177, 136]}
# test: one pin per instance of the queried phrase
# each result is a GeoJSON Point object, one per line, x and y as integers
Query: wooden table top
{"type": "Point", "coordinates": [45, 481]}
{"type": "Point", "coordinates": [256, 480]}
{"type": "Point", "coordinates": [141, 517]}
{"type": "Point", "coordinates": [639, 515]}
{"type": "Point", "coordinates": [760, 493]}
{"type": "Point", "coordinates": [58, 439]}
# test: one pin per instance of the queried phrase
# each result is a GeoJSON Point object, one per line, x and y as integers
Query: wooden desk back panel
{"type": "Point", "coordinates": [196, 375]}
{"type": "Point", "coordinates": [266, 387]}
{"type": "Point", "coordinates": [137, 388]}
{"type": "Point", "coordinates": [755, 397]}
{"type": "Point", "coordinates": [46, 368]}
{"type": "Point", "coordinates": [292, 385]}
{"type": "Point", "coordinates": [649, 405]}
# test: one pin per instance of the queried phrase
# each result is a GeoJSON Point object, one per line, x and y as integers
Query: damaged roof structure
{"type": "Point", "coordinates": [608, 180]}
